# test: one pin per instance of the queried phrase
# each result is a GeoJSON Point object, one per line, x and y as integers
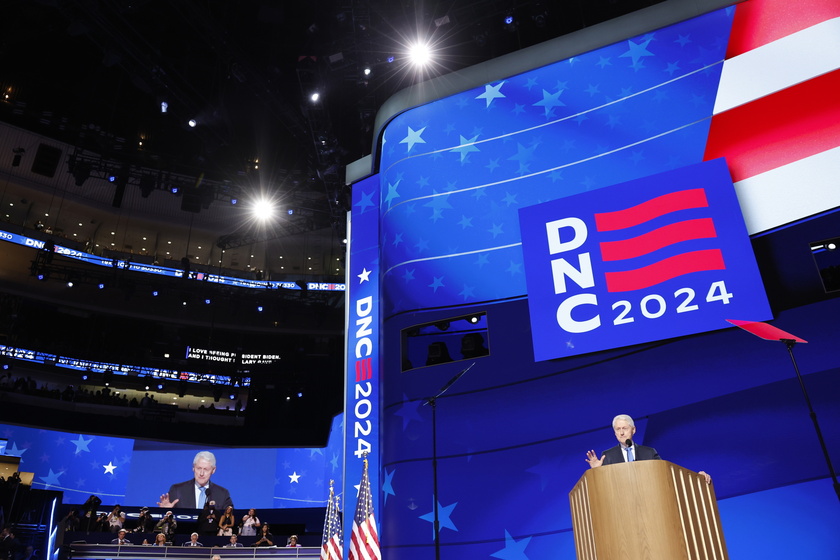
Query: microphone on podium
{"type": "Point", "coordinates": [629, 443]}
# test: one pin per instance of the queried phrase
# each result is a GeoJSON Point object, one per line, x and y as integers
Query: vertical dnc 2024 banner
{"type": "Point", "coordinates": [650, 259]}
{"type": "Point", "coordinates": [362, 376]}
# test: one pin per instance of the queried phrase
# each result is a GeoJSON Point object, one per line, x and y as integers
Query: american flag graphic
{"type": "Point", "coordinates": [332, 545]}
{"type": "Point", "coordinates": [364, 542]}
{"type": "Point", "coordinates": [655, 239]}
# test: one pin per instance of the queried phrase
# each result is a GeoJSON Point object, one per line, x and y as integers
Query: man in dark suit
{"type": "Point", "coordinates": [234, 542]}
{"type": "Point", "coordinates": [193, 541]}
{"type": "Point", "coordinates": [121, 538]}
{"type": "Point", "coordinates": [195, 493]}
{"type": "Point", "coordinates": [627, 450]}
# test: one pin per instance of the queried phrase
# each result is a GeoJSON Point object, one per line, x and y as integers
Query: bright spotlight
{"type": "Point", "coordinates": [263, 209]}
{"type": "Point", "coordinates": [420, 54]}
{"type": "Point", "coordinates": [315, 97]}
{"type": "Point", "coordinates": [192, 123]}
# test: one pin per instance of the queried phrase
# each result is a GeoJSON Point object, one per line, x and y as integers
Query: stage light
{"type": "Point", "coordinates": [315, 97]}
{"type": "Point", "coordinates": [101, 286]}
{"type": "Point", "coordinates": [474, 319]}
{"type": "Point", "coordinates": [175, 190]}
{"type": "Point", "coordinates": [155, 293]}
{"type": "Point", "coordinates": [160, 386]}
{"type": "Point", "coordinates": [390, 59]}
{"type": "Point", "coordinates": [192, 123]}
{"type": "Point", "coordinates": [207, 301]}
{"type": "Point", "coordinates": [260, 308]}
{"type": "Point", "coordinates": [69, 283]}
{"type": "Point", "coordinates": [233, 201]}
{"type": "Point", "coordinates": [164, 106]}
{"type": "Point", "coordinates": [263, 209]}
{"type": "Point", "coordinates": [420, 54]}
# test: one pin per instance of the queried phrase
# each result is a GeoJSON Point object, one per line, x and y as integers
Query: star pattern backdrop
{"type": "Point", "coordinates": [455, 171]}
{"type": "Point", "coordinates": [77, 464]}
{"type": "Point", "coordinates": [512, 434]}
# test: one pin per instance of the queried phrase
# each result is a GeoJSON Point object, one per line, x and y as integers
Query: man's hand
{"type": "Point", "coordinates": [707, 476]}
{"type": "Point", "coordinates": [593, 460]}
{"type": "Point", "coordinates": [165, 503]}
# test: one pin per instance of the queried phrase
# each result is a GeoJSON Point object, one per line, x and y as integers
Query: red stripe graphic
{"type": "Point", "coordinates": [363, 369]}
{"type": "Point", "coordinates": [653, 208]}
{"type": "Point", "coordinates": [666, 269]}
{"type": "Point", "coordinates": [773, 131]}
{"type": "Point", "coordinates": [759, 22]}
{"type": "Point", "coordinates": [702, 228]}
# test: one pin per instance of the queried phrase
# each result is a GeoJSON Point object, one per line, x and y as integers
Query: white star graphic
{"type": "Point", "coordinates": [81, 444]}
{"type": "Point", "coordinates": [413, 138]}
{"type": "Point", "coordinates": [294, 477]}
{"type": "Point", "coordinates": [364, 276]}
{"type": "Point", "coordinates": [109, 468]}
{"type": "Point", "coordinates": [491, 93]}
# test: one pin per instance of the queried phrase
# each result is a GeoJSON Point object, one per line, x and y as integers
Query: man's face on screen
{"type": "Point", "coordinates": [203, 470]}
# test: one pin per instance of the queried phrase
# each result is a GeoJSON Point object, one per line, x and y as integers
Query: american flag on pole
{"type": "Point", "coordinates": [364, 542]}
{"type": "Point", "coordinates": [332, 545]}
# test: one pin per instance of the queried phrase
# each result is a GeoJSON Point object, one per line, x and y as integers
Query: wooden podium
{"type": "Point", "coordinates": [646, 510]}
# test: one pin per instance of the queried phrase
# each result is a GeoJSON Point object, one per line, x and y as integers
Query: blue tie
{"type": "Point", "coordinates": [630, 454]}
{"type": "Point", "coordinates": [202, 497]}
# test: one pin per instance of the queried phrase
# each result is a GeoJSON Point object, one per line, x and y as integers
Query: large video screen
{"type": "Point", "coordinates": [138, 472]}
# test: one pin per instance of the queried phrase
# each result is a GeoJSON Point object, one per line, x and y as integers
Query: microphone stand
{"type": "Point", "coordinates": [433, 402]}
{"type": "Point", "coordinates": [769, 332]}
{"type": "Point", "coordinates": [790, 343]}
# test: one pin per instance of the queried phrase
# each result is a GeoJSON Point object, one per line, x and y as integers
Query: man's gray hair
{"type": "Point", "coordinates": [625, 418]}
{"type": "Point", "coordinates": [206, 456]}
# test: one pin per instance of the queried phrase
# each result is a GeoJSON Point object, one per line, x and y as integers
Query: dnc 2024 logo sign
{"type": "Point", "coordinates": [650, 259]}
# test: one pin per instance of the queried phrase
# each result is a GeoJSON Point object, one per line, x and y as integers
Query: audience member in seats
{"type": "Point", "coordinates": [116, 519]}
{"type": "Point", "coordinates": [208, 523]}
{"type": "Point", "coordinates": [9, 544]}
{"type": "Point", "coordinates": [189, 494]}
{"type": "Point", "coordinates": [167, 525]}
{"type": "Point", "coordinates": [71, 521]}
{"type": "Point", "coordinates": [266, 538]}
{"type": "Point", "coordinates": [227, 522]}
{"type": "Point", "coordinates": [627, 450]}
{"type": "Point", "coordinates": [293, 541]}
{"type": "Point", "coordinates": [144, 521]}
{"type": "Point", "coordinates": [101, 523]}
{"type": "Point", "coordinates": [30, 553]}
{"type": "Point", "coordinates": [234, 541]}
{"type": "Point", "coordinates": [193, 541]}
{"type": "Point", "coordinates": [121, 538]}
{"type": "Point", "coordinates": [160, 540]}
{"type": "Point", "coordinates": [250, 524]}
